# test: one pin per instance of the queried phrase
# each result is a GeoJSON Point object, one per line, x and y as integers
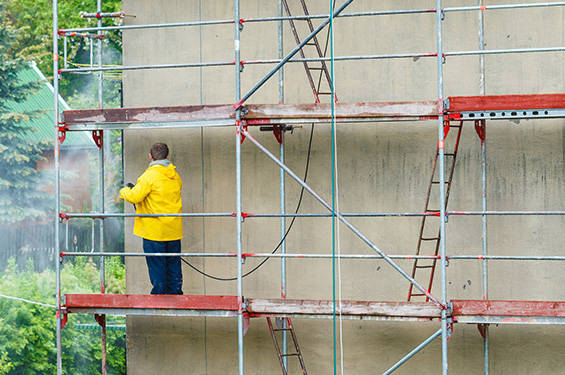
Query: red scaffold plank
{"type": "Point", "coordinates": [150, 301]}
{"type": "Point", "coordinates": [504, 102]}
{"type": "Point", "coordinates": [508, 308]}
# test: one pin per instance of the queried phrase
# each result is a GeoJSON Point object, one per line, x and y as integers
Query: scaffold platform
{"type": "Point", "coordinates": [493, 107]}
{"type": "Point", "coordinates": [462, 311]}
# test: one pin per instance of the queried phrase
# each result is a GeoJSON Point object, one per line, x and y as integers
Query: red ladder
{"type": "Point", "coordinates": [317, 52]}
{"type": "Point", "coordinates": [286, 326]}
{"type": "Point", "coordinates": [428, 241]}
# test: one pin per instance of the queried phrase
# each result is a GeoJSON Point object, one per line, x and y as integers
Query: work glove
{"type": "Point", "coordinates": [130, 185]}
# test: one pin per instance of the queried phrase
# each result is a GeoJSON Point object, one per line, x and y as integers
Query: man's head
{"type": "Point", "coordinates": [159, 151]}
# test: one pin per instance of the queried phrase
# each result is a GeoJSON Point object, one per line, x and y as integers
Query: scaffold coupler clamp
{"type": "Point", "coordinates": [63, 218]}
{"type": "Point", "coordinates": [446, 104]}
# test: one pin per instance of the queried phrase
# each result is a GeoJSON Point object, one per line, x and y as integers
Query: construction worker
{"type": "Point", "coordinates": [158, 191]}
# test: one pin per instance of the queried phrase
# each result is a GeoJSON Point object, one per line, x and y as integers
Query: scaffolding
{"type": "Point", "coordinates": [445, 111]}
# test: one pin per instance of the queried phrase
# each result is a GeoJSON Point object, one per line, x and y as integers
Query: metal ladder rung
{"type": "Point", "coordinates": [424, 266]}
{"type": "Point", "coordinates": [448, 154]}
{"type": "Point", "coordinates": [293, 339]}
{"type": "Point", "coordinates": [315, 68]}
{"type": "Point", "coordinates": [417, 294]}
{"type": "Point", "coordinates": [445, 182]}
{"type": "Point", "coordinates": [430, 238]}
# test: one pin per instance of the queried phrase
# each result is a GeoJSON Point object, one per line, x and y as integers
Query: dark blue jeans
{"type": "Point", "coordinates": [164, 272]}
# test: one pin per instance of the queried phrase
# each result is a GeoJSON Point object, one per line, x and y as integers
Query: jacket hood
{"type": "Point", "coordinates": [168, 171]}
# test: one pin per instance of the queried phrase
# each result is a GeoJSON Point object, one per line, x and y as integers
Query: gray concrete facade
{"type": "Point", "coordinates": [382, 167]}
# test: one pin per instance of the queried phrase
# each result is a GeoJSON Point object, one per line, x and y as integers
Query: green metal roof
{"type": "Point", "coordinates": [42, 100]}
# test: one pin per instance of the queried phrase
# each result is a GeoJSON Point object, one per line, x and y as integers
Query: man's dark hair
{"type": "Point", "coordinates": [159, 151]}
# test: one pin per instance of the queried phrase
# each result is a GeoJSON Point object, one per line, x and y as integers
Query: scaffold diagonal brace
{"type": "Point", "coordinates": [344, 220]}
{"type": "Point", "coordinates": [412, 353]}
{"type": "Point", "coordinates": [291, 54]}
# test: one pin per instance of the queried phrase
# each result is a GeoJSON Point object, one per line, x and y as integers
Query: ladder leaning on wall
{"type": "Point", "coordinates": [423, 270]}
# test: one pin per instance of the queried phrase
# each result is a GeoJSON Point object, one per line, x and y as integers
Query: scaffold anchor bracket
{"type": "Point", "coordinates": [482, 330]}
{"type": "Point", "coordinates": [98, 137]}
{"type": "Point", "coordinates": [64, 319]}
{"type": "Point", "coordinates": [480, 128]}
{"type": "Point", "coordinates": [100, 319]}
{"type": "Point", "coordinates": [62, 134]}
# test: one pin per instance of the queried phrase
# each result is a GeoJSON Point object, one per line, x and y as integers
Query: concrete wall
{"type": "Point", "coordinates": [382, 167]}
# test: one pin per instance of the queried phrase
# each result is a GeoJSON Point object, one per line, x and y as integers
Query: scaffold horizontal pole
{"type": "Point", "coordinates": [504, 6]}
{"type": "Point", "coordinates": [317, 256]}
{"type": "Point", "coordinates": [250, 20]}
{"type": "Point", "coordinates": [315, 16]}
{"type": "Point", "coordinates": [142, 67]}
{"type": "Point", "coordinates": [95, 215]}
{"type": "Point", "coordinates": [247, 255]}
{"type": "Point", "coordinates": [414, 55]}
{"type": "Point", "coordinates": [504, 51]}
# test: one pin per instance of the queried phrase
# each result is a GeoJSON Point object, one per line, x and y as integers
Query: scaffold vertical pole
{"type": "Point", "coordinates": [441, 160]}
{"type": "Point", "coordinates": [57, 188]}
{"type": "Point", "coordinates": [99, 32]}
{"type": "Point", "coordinates": [101, 158]}
{"type": "Point", "coordinates": [238, 188]}
{"type": "Point", "coordinates": [282, 186]}
{"type": "Point", "coordinates": [483, 186]}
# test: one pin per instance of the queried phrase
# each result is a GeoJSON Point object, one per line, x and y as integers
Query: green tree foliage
{"type": "Point", "coordinates": [21, 197]}
{"type": "Point", "coordinates": [27, 332]}
{"type": "Point", "coordinates": [35, 18]}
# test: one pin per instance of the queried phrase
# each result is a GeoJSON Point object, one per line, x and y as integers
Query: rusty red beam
{"type": "Point", "coordinates": [151, 301]}
{"type": "Point", "coordinates": [147, 114]}
{"type": "Point", "coordinates": [417, 110]}
{"type": "Point", "coordinates": [508, 308]}
{"type": "Point", "coordinates": [504, 102]}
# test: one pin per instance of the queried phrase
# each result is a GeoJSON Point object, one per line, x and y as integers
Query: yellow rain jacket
{"type": "Point", "coordinates": [158, 191]}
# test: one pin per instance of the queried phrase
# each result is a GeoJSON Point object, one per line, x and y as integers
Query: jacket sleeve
{"type": "Point", "coordinates": [137, 193]}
